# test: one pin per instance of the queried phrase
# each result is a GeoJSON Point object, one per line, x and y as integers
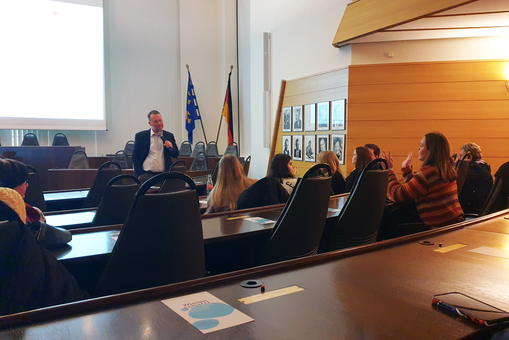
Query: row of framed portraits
{"type": "Point", "coordinates": [307, 147]}
{"type": "Point", "coordinates": [331, 116]}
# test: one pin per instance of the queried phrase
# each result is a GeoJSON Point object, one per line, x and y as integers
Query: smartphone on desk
{"type": "Point", "coordinates": [470, 308]}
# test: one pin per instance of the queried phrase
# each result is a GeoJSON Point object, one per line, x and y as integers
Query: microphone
{"type": "Point", "coordinates": [164, 140]}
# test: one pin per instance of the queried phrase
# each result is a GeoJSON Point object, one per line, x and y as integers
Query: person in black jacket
{"type": "Point", "coordinates": [361, 157]}
{"type": "Point", "coordinates": [338, 181]}
{"type": "Point", "coordinates": [478, 182]}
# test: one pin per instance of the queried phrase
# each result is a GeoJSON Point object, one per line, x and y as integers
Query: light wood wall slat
{"type": "Point", "coordinates": [428, 72]}
{"type": "Point", "coordinates": [443, 110]}
{"type": "Point", "coordinates": [423, 92]}
{"type": "Point", "coordinates": [319, 82]}
{"type": "Point", "coordinates": [316, 97]}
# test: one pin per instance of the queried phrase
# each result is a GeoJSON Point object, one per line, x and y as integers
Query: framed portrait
{"type": "Point", "coordinates": [297, 148]}
{"type": "Point", "coordinates": [322, 142]}
{"type": "Point", "coordinates": [338, 114]}
{"type": "Point", "coordinates": [310, 117]}
{"type": "Point", "coordinates": [297, 118]}
{"type": "Point", "coordinates": [287, 119]}
{"type": "Point", "coordinates": [286, 147]}
{"type": "Point", "coordinates": [323, 116]}
{"type": "Point", "coordinates": [309, 142]}
{"type": "Point", "coordinates": [338, 147]}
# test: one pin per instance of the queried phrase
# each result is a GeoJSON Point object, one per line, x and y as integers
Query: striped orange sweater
{"type": "Point", "coordinates": [437, 202]}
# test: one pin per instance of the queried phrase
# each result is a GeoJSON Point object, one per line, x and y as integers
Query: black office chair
{"type": "Point", "coordinates": [121, 158]}
{"type": "Point", "coordinates": [186, 149]}
{"type": "Point", "coordinates": [104, 175]}
{"type": "Point", "coordinates": [128, 148]}
{"type": "Point", "coordinates": [79, 160]}
{"type": "Point", "coordinates": [116, 201]}
{"type": "Point", "coordinates": [173, 185]}
{"type": "Point", "coordinates": [60, 140]}
{"type": "Point", "coordinates": [200, 162]}
{"type": "Point", "coordinates": [199, 147]}
{"type": "Point", "coordinates": [30, 139]}
{"type": "Point", "coordinates": [498, 198]}
{"type": "Point", "coordinates": [360, 218]}
{"type": "Point", "coordinates": [161, 241]}
{"type": "Point", "coordinates": [232, 149]}
{"type": "Point", "coordinates": [34, 195]}
{"type": "Point", "coordinates": [246, 165]}
{"type": "Point", "coordinates": [266, 191]}
{"type": "Point", "coordinates": [298, 230]}
{"type": "Point", "coordinates": [462, 169]}
{"type": "Point", "coordinates": [211, 150]}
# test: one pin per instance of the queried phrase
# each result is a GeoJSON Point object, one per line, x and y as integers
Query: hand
{"type": "Point", "coordinates": [408, 160]}
{"type": "Point", "coordinates": [389, 159]}
{"type": "Point", "coordinates": [168, 144]}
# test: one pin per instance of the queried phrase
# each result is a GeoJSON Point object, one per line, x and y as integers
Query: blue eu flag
{"type": "Point", "coordinates": [191, 110]}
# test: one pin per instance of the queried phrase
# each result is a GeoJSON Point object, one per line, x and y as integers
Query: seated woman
{"type": "Point", "coordinates": [361, 157]}
{"type": "Point", "coordinates": [433, 188]}
{"type": "Point", "coordinates": [338, 181]}
{"type": "Point", "coordinates": [14, 175]}
{"type": "Point", "coordinates": [231, 182]}
{"type": "Point", "coordinates": [30, 276]}
{"type": "Point", "coordinates": [283, 170]}
{"type": "Point", "coordinates": [478, 182]}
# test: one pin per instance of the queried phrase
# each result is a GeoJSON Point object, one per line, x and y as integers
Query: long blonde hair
{"type": "Point", "coordinates": [231, 182]}
{"type": "Point", "coordinates": [328, 157]}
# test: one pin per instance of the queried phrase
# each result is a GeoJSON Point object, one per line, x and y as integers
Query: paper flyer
{"type": "Point", "coordinates": [260, 220]}
{"type": "Point", "coordinates": [206, 312]}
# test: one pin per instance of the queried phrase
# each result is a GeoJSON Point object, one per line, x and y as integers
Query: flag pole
{"type": "Point", "coordinates": [197, 106]}
{"type": "Point", "coordinates": [221, 118]}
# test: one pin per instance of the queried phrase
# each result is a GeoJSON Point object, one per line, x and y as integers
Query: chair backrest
{"type": "Point", "coordinates": [79, 160]}
{"type": "Point", "coordinates": [30, 139]}
{"type": "Point", "coordinates": [121, 158]}
{"type": "Point", "coordinates": [116, 201]}
{"type": "Point", "coordinates": [60, 140]}
{"type": "Point", "coordinates": [212, 149]}
{"type": "Point", "coordinates": [462, 169]}
{"type": "Point", "coordinates": [186, 149]}
{"type": "Point", "coordinates": [199, 147]}
{"type": "Point", "coordinates": [161, 241]}
{"type": "Point", "coordinates": [246, 165]}
{"type": "Point", "coordinates": [128, 148]}
{"type": "Point", "coordinates": [200, 162]}
{"type": "Point", "coordinates": [498, 198]}
{"type": "Point", "coordinates": [34, 195]}
{"type": "Point", "coordinates": [298, 231]}
{"type": "Point", "coordinates": [214, 173]}
{"type": "Point", "coordinates": [174, 184]}
{"type": "Point", "coordinates": [104, 175]}
{"type": "Point", "coordinates": [360, 218]}
{"type": "Point", "coordinates": [232, 149]}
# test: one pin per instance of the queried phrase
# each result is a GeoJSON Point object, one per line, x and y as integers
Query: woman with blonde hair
{"type": "Point", "coordinates": [478, 182]}
{"type": "Point", "coordinates": [231, 182]}
{"type": "Point", "coordinates": [338, 181]}
{"type": "Point", "coordinates": [433, 188]}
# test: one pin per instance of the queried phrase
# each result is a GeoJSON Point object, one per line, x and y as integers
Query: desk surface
{"type": "Point", "coordinates": [379, 291]}
{"type": "Point", "coordinates": [65, 195]}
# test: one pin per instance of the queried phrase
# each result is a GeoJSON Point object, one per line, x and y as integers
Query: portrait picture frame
{"type": "Point", "coordinates": [310, 117]}
{"type": "Point", "coordinates": [286, 145]}
{"type": "Point", "coordinates": [287, 119]}
{"type": "Point", "coordinates": [338, 149]}
{"type": "Point", "coordinates": [322, 147]}
{"type": "Point", "coordinates": [323, 116]}
{"type": "Point", "coordinates": [297, 148]}
{"type": "Point", "coordinates": [297, 118]}
{"type": "Point", "coordinates": [310, 149]}
{"type": "Point", "coordinates": [338, 114]}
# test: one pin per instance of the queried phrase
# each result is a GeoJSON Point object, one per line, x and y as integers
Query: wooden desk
{"type": "Point", "coordinates": [378, 291]}
{"type": "Point", "coordinates": [65, 200]}
{"type": "Point", "coordinates": [43, 158]}
{"type": "Point", "coordinates": [502, 227]}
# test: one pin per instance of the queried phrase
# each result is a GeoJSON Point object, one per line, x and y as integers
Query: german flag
{"type": "Point", "coordinates": [227, 110]}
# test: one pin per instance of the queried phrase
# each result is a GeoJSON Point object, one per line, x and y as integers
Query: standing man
{"type": "Point", "coordinates": [153, 149]}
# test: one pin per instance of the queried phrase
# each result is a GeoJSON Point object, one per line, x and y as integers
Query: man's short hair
{"type": "Point", "coordinates": [153, 112]}
{"type": "Point", "coordinates": [375, 148]}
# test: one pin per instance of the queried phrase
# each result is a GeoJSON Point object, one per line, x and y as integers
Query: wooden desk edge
{"type": "Point", "coordinates": [115, 301]}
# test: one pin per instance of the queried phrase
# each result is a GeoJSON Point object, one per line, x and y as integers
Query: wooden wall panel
{"type": "Point", "coordinates": [317, 88]}
{"type": "Point", "coordinates": [394, 105]}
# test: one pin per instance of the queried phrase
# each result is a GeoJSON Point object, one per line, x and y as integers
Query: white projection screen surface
{"type": "Point", "coordinates": [52, 65]}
